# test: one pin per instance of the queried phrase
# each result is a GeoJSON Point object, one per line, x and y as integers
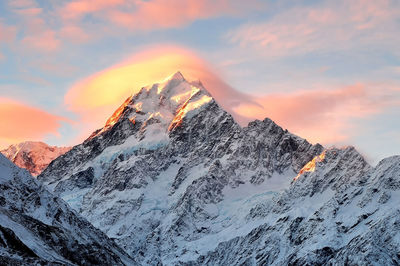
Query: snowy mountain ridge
{"type": "Point", "coordinates": [175, 180]}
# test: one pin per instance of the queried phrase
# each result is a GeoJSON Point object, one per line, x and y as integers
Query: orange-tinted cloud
{"type": "Point", "coordinates": [22, 122]}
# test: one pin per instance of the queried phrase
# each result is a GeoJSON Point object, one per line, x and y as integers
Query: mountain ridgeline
{"type": "Point", "coordinates": [173, 179]}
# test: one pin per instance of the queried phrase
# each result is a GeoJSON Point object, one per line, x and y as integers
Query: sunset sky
{"type": "Point", "coordinates": [328, 71]}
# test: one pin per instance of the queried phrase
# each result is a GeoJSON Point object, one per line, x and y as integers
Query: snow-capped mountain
{"type": "Point", "coordinates": [171, 171]}
{"type": "Point", "coordinates": [33, 155]}
{"type": "Point", "coordinates": [175, 180]}
{"type": "Point", "coordinates": [37, 228]}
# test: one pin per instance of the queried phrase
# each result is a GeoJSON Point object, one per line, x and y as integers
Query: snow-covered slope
{"type": "Point", "coordinates": [171, 174]}
{"type": "Point", "coordinates": [37, 228]}
{"type": "Point", "coordinates": [32, 155]}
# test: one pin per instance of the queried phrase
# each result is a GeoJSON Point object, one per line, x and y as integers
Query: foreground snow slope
{"type": "Point", "coordinates": [33, 155]}
{"type": "Point", "coordinates": [171, 174]}
{"type": "Point", "coordinates": [39, 228]}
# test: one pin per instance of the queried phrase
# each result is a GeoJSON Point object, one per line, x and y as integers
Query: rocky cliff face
{"type": "Point", "coordinates": [32, 155]}
{"type": "Point", "coordinates": [172, 174]}
{"type": "Point", "coordinates": [38, 228]}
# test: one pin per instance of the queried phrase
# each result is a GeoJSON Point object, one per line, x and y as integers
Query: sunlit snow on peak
{"type": "Point", "coordinates": [165, 103]}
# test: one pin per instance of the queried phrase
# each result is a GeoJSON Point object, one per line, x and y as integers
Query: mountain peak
{"type": "Point", "coordinates": [161, 105]}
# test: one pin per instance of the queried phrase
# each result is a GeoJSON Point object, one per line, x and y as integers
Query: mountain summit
{"type": "Point", "coordinates": [162, 105]}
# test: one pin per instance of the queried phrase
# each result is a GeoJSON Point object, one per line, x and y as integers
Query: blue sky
{"type": "Point", "coordinates": [328, 71]}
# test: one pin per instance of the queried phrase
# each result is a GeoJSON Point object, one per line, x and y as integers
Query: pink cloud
{"type": "Point", "coordinates": [7, 33]}
{"type": "Point", "coordinates": [25, 8]}
{"type": "Point", "coordinates": [39, 31]}
{"type": "Point", "coordinates": [45, 41]}
{"type": "Point", "coordinates": [175, 13]}
{"type": "Point", "coordinates": [40, 35]}
{"type": "Point", "coordinates": [145, 15]}
{"type": "Point", "coordinates": [24, 122]}
{"type": "Point", "coordinates": [323, 115]}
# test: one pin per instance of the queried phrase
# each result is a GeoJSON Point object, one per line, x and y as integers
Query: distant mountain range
{"type": "Point", "coordinates": [174, 180]}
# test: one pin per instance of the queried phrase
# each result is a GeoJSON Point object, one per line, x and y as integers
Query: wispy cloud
{"type": "Point", "coordinates": [36, 33]}
{"type": "Point", "coordinates": [45, 41]}
{"type": "Point", "coordinates": [328, 26]}
{"type": "Point", "coordinates": [43, 29]}
{"type": "Point", "coordinates": [156, 14]}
